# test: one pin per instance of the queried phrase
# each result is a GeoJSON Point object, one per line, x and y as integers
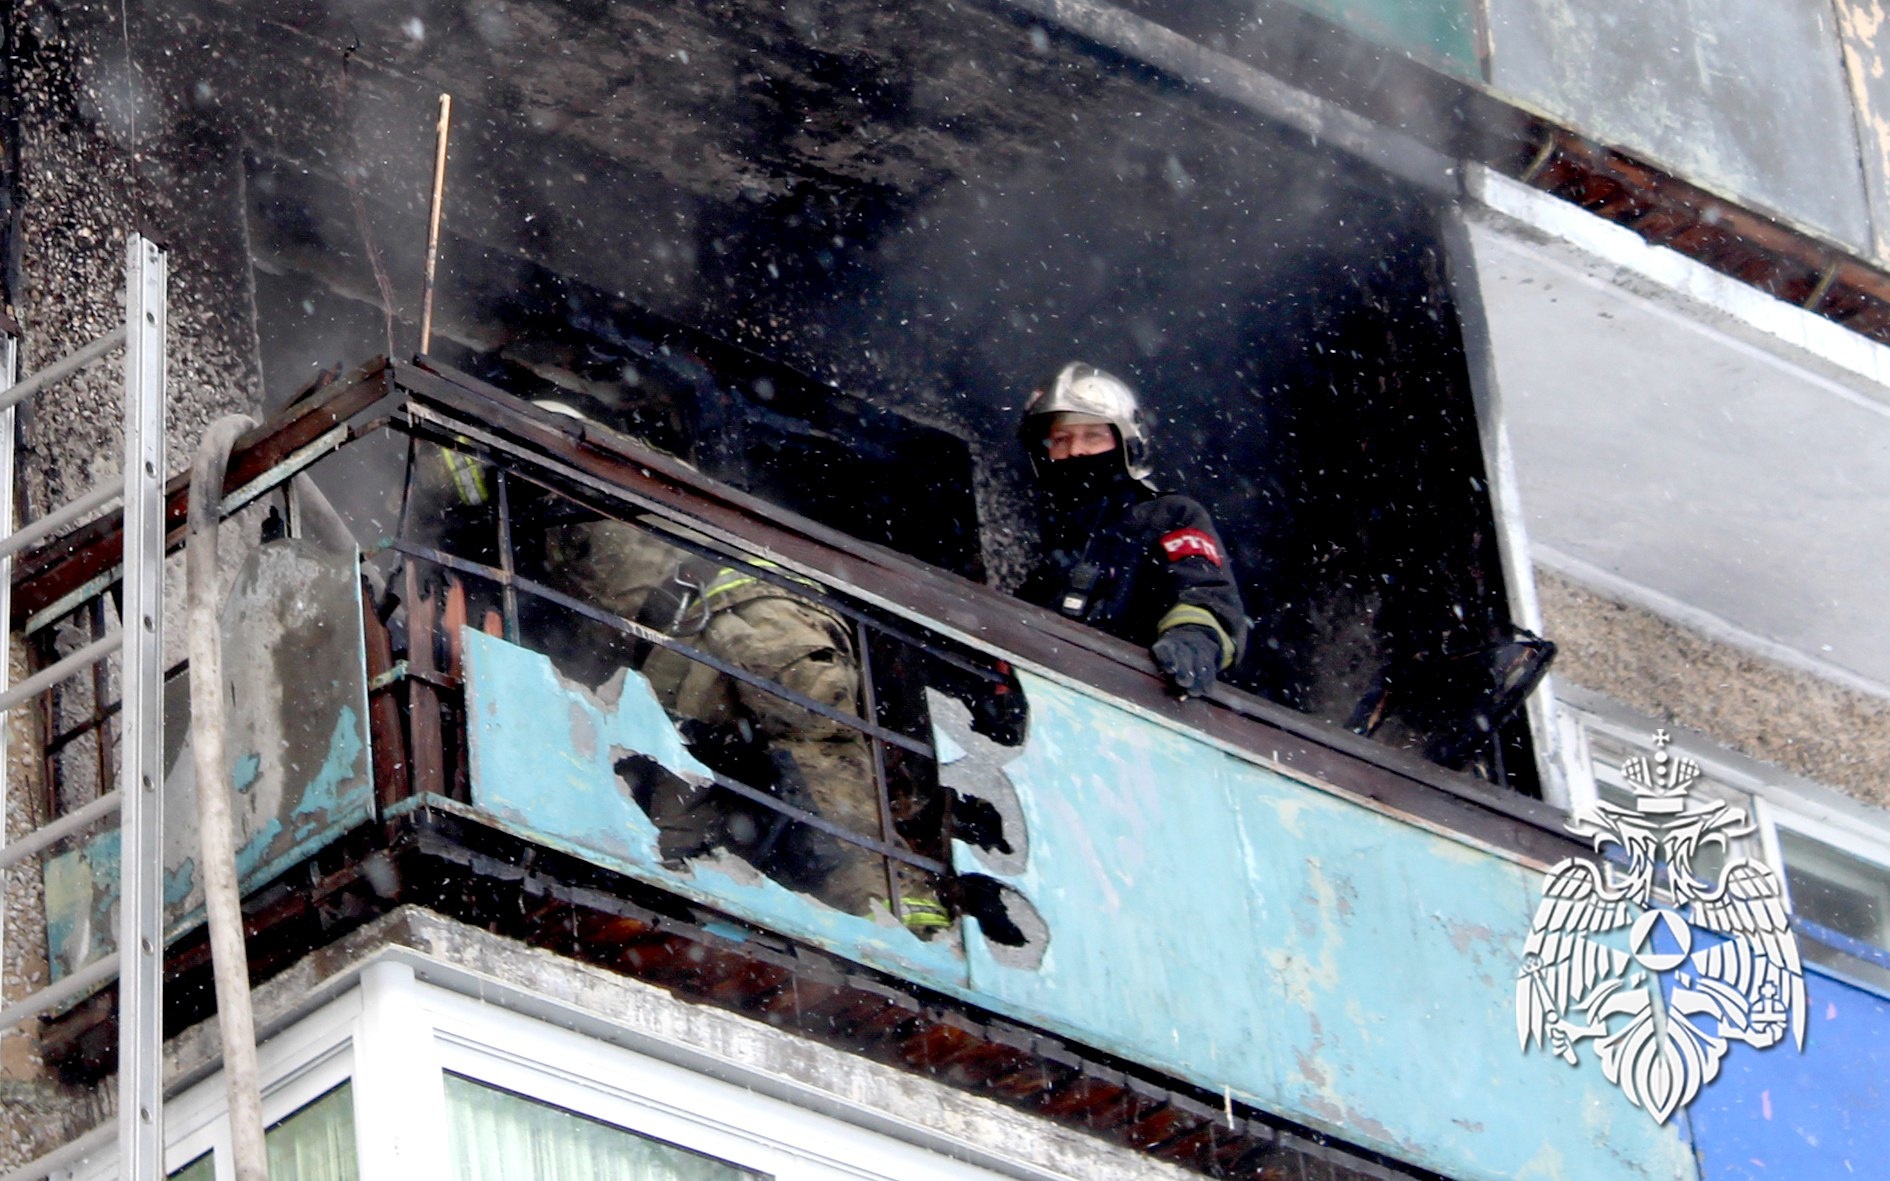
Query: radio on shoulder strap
{"type": "Point", "coordinates": [1079, 590]}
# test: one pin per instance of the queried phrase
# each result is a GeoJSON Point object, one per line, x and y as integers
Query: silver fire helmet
{"type": "Point", "coordinates": [1087, 390]}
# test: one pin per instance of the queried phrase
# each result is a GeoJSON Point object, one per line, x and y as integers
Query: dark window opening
{"type": "Point", "coordinates": [1282, 312]}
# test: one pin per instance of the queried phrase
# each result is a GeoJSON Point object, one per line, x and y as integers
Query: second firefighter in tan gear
{"type": "Point", "coordinates": [760, 627]}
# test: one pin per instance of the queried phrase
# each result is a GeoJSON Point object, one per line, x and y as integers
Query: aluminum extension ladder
{"type": "Point", "coordinates": [139, 964]}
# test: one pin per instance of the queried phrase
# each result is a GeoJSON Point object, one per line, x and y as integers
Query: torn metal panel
{"type": "Point", "coordinates": [1160, 870]}
{"type": "Point", "coordinates": [1361, 968]}
{"type": "Point", "coordinates": [1866, 55]}
{"type": "Point", "coordinates": [1746, 98]}
{"type": "Point", "coordinates": [1823, 1115]}
{"type": "Point", "coordinates": [543, 753]}
{"type": "Point", "coordinates": [293, 672]}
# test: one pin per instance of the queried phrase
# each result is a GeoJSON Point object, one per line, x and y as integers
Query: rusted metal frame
{"type": "Point", "coordinates": [44, 714]}
{"type": "Point", "coordinates": [450, 625]}
{"type": "Point", "coordinates": [815, 593]}
{"type": "Point", "coordinates": [1013, 630]}
{"type": "Point", "coordinates": [100, 683]}
{"type": "Point", "coordinates": [428, 744]}
{"type": "Point", "coordinates": [234, 499]}
{"type": "Point", "coordinates": [423, 728]}
{"type": "Point", "coordinates": [626, 473]}
{"type": "Point", "coordinates": [438, 678]}
{"type": "Point", "coordinates": [667, 526]}
{"type": "Point", "coordinates": [508, 593]}
{"type": "Point", "coordinates": [1390, 777]}
{"type": "Point", "coordinates": [650, 635]}
{"type": "Point", "coordinates": [83, 729]}
{"type": "Point", "coordinates": [422, 725]}
{"type": "Point", "coordinates": [50, 572]}
{"type": "Point", "coordinates": [103, 715]}
{"type": "Point", "coordinates": [882, 791]}
{"type": "Point", "coordinates": [386, 737]}
{"type": "Point", "coordinates": [1781, 261]}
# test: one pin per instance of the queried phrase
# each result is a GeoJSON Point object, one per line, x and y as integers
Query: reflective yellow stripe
{"type": "Point", "coordinates": [925, 914]}
{"type": "Point", "coordinates": [729, 579]}
{"type": "Point", "coordinates": [726, 581]}
{"type": "Point", "coordinates": [1185, 613]}
{"type": "Point", "coordinates": [469, 476]}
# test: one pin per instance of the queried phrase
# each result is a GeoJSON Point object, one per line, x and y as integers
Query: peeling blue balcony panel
{"type": "Point", "coordinates": [1205, 915]}
{"type": "Point", "coordinates": [297, 738]}
{"type": "Point", "coordinates": [1823, 1115]}
{"type": "Point", "coordinates": [1743, 97]}
{"type": "Point", "coordinates": [1440, 33]}
{"type": "Point", "coordinates": [542, 754]}
{"type": "Point", "coordinates": [1332, 963]}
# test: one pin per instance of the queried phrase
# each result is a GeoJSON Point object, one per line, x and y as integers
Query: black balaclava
{"type": "Point", "coordinates": [1079, 495]}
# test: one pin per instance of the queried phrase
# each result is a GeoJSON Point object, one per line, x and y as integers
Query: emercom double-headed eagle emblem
{"type": "Point", "coordinates": [1661, 987]}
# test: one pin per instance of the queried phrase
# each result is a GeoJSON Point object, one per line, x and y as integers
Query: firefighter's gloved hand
{"type": "Point", "coordinates": [1189, 655]}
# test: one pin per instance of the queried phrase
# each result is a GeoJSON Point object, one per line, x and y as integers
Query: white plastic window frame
{"type": "Point", "coordinates": [1773, 804]}
{"type": "Point", "coordinates": [394, 1038]}
{"type": "Point", "coordinates": [1872, 848]}
{"type": "Point", "coordinates": [301, 1065]}
{"type": "Point", "coordinates": [717, 1117]}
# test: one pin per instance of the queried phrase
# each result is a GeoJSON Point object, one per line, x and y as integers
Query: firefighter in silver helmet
{"type": "Point", "coordinates": [1145, 566]}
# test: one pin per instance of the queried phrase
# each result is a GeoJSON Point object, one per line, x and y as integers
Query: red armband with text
{"type": "Point", "coordinates": [1190, 543]}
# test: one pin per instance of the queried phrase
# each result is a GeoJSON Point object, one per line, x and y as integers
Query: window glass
{"type": "Point", "coordinates": [499, 1136]}
{"type": "Point", "coordinates": [1842, 894]}
{"type": "Point", "coordinates": [204, 1168]}
{"type": "Point", "coordinates": [317, 1142]}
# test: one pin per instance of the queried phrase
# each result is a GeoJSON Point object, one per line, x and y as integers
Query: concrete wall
{"type": "Point", "coordinates": [36, 1112]}
{"type": "Point", "coordinates": [1768, 710]}
{"type": "Point", "coordinates": [102, 152]}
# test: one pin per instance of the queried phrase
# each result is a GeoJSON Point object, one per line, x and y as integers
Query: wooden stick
{"type": "Point", "coordinates": [433, 220]}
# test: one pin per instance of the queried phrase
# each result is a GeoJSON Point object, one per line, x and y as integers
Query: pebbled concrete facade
{"type": "Point", "coordinates": [37, 1112]}
{"type": "Point", "coordinates": [1784, 716]}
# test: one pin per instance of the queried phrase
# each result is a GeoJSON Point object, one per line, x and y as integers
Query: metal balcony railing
{"type": "Point", "coordinates": [437, 560]}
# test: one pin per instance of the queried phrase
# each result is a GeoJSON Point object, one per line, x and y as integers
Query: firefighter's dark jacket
{"type": "Point", "coordinates": [1134, 563]}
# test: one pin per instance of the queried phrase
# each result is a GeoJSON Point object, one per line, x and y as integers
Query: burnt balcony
{"type": "Point", "coordinates": [1214, 929]}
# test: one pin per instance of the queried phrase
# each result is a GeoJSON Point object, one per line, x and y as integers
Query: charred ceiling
{"type": "Point", "coordinates": [928, 207]}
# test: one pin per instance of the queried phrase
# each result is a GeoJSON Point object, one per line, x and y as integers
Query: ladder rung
{"type": "Point", "coordinates": [63, 368]}
{"type": "Point", "coordinates": [54, 831]}
{"type": "Point", "coordinates": [59, 518]}
{"type": "Point", "coordinates": [71, 988]}
{"type": "Point", "coordinates": [47, 677]}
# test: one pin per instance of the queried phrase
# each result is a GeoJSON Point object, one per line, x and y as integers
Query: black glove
{"type": "Point", "coordinates": [1189, 655]}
